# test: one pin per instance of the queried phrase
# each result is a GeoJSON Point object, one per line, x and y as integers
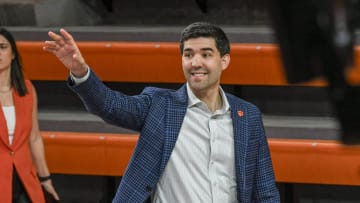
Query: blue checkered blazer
{"type": "Point", "coordinates": [158, 114]}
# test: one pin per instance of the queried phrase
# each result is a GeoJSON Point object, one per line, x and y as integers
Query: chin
{"type": "Point", "coordinates": [196, 87]}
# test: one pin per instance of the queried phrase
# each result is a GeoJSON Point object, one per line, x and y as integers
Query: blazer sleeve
{"type": "Point", "coordinates": [265, 185]}
{"type": "Point", "coordinates": [112, 106]}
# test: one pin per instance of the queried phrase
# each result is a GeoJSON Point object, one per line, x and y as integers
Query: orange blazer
{"type": "Point", "coordinates": [18, 154]}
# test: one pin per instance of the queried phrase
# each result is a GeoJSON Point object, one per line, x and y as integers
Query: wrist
{"type": "Point", "coordinates": [81, 73]}
{"type": "Point", "coordinates": [44, 178]}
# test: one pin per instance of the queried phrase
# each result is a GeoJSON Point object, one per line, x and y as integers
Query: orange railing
{"type": "Point", "coordinates": [251, 64]}
{"type": "Point", "coordinates": [295, 161]}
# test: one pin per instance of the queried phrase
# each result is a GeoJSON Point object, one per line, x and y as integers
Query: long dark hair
{"type": "Point", "coordinates": [16, 75]}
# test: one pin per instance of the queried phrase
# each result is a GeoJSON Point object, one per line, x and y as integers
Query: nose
{"type": "Point", "coordinates": [196, 61]}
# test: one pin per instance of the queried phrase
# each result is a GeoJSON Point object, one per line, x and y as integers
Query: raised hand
{"type": "Point", "coordinates": [65, 49]}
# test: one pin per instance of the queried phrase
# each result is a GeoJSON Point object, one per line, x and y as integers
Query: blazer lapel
{"type": "Point", "coordinates": [4, 135]}
{"type": "Point", "coordinates": [21, 112]}
{"type": "Point", "coordinates": [175, 112]}
{"type": "Point", "coordinates": [239, 116]}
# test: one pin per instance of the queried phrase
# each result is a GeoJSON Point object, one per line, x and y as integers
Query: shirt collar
{"type": "Point", "coordinates": [194, 101]}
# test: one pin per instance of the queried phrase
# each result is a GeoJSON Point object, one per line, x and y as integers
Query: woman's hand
{"type": "Point", "coordinates": [49, 188]}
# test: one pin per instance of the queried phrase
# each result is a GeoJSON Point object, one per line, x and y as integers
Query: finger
{"type": "Point", "coordinates": [54, 36]}
{"type": "Point", "coordinates": [55, 195]}
{"type": "Point", "coordinates": [50, 189]}
{"type": "Point", "coordinates": [58, 39]}
{"type": "Point", "coordinates": [50, 44]}
{"type": "Point", "coordinates": [53, 192]}
{"type": "Point", "coordinates": [66, 35]}
{"type": "Point", "coordinates": [51, 48]}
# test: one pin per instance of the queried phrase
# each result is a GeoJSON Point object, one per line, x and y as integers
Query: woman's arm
{"type": "Point", "coordinates": [37, 151]}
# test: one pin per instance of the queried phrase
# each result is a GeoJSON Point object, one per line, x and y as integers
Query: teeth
{"type": "Point", "coordinates": [198, 74]}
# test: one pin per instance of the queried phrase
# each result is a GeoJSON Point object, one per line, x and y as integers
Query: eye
{"type": "Point", "coordinates": [187, 55]}
{"type": "Point", "coordinates": [206, 55]}
{"type": "Point", "coordinates": [3, 45]}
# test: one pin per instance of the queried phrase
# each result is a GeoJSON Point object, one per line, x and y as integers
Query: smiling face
{"type": "Point", "coordinates": [203, 65]}
{"type": "Point", "coordinates": [6, 54]}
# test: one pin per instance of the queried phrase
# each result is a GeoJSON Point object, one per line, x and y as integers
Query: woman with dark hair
{"type": "Point", "coordinates": [23, 168]}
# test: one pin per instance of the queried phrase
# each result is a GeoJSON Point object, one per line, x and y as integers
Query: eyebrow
{"type": "Point", "coordinates": [203, 49]}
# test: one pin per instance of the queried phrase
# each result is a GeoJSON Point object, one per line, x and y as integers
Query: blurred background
{"type": "Point", "coordinates": [301, 115]}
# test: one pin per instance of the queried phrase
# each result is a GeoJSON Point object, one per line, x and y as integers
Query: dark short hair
{"type": "Point", "coordinates": [204, 29]}
{"type": "Point", "coordinates": [16, 74]}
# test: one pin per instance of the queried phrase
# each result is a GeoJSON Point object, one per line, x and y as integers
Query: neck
{"type": "Point", "coordinates": [5, 87]}
{"type": "Point", "coordinates": [5, 84]}
{"type": "Point", "coordinates": [5, 78]}
{"type": "Point", "coordinates": [213, 100]}
{"type": "Point", "coordinates": [218, 102]}
{"type": "Point", "coordinates": [5, 91]}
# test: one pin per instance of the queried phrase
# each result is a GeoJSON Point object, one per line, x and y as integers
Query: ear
{"type": "Point", "coordinates": [225, 61]}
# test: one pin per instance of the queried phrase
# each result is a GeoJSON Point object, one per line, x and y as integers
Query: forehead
{"type": "Point", "coordinates": [3, 39]}
{"type": "Point", "coordinates": [200, 43]}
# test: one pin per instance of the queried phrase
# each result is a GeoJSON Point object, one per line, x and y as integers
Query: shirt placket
{"type": "Point", "coordinates": [213, 158]}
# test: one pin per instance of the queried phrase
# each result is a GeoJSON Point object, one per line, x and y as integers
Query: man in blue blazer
{"type": "Point", "coordinates": [197, 143]}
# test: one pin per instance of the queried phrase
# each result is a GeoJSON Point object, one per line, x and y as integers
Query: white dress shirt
{"type": "Point", "coordinates": [201, 167]}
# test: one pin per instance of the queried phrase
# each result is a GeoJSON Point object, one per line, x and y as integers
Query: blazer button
{"type": "Point", "coordinates": [12, 153]}
{"type": "Point", "coordinates": [148, 189]}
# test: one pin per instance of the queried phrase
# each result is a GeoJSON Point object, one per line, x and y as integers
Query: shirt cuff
{"type": "Point", "coordinates": [80, 80]}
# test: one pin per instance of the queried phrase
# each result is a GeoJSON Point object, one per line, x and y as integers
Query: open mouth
{"type": "Point", "coordinates": [198, 74]}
